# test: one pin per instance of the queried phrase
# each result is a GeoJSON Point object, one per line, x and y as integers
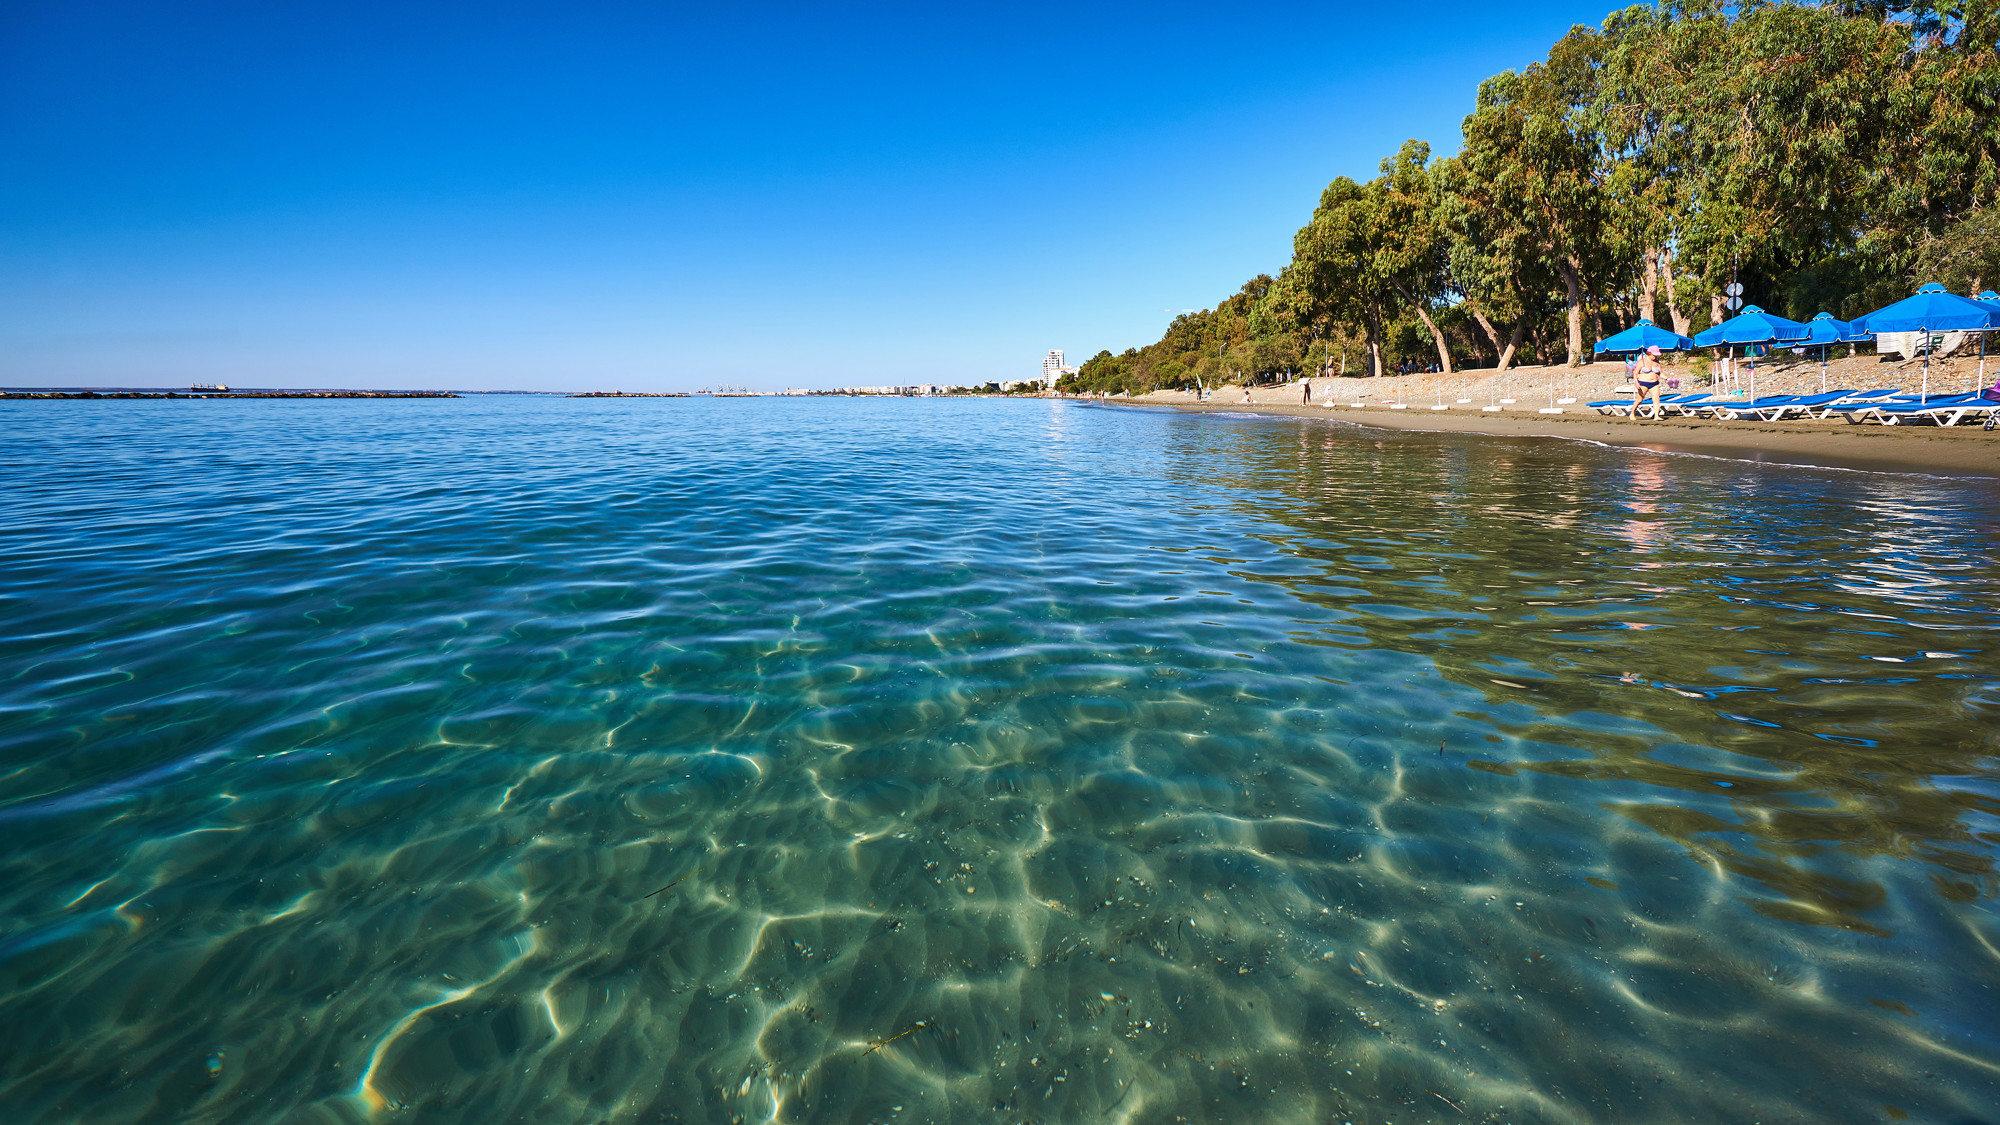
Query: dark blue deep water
{"type": "Point", "coordinates": [752, 760]}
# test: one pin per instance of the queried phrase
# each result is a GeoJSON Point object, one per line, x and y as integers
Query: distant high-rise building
{"type": "Point", "coordinates": [1053, 368]}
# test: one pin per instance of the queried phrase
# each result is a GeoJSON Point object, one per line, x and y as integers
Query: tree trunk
{"type": "Point", "coordinates": [1485, 325]}
{"type": "Point", "coordinates": [1682, 321]}
{"type": "Point", "coordinates": [1505, 351]}
{"type": "Point", "coordinates": [1649, 287]}
{"type": "Point", "coordinates": [1482, 336]}
{"type": "Point", "coordinates": [1444, 349]}
{"type": "Point", "coordinates": [1513, 344]}
{"type": "Point", "coordinates": [1374, 342]}
{"type": "Point", "coordinates": [1572, 271]}
{"type": "Point", "coordinates": [1715, 310]}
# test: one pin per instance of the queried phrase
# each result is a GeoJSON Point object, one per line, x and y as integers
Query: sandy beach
{"type": "Point", "coordinates": [1951, 451]}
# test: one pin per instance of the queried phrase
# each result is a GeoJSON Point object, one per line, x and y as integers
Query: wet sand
{"type": "Point", "coordinates": [1953, 451]}
{"type": "Point", "coordinates": [1965, 450]}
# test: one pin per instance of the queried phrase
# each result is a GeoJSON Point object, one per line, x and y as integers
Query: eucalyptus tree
{"type": "Point", "coordinates": [1765, 132]}
{"type": "Point", "coordinates": [1965, 258]}
{"type": "Point", "coordinates": [1650, 152]}
{"type": "Point", "coordinates": [1804, 146]}
{"type": "Point", "coordinates": [1413, 250]}
{"type": "Point", "coordinates": [1530, 142]}
{"type": "Point", "coordinates": [1490, 259]}
{"type": "Point", "coordinates": [1943, 116]}
{"type": "Point", "coordinates": [1283, 325]}
{"type": "Point", "coordinates": [1337, 259]}
{"type": "Point", "coordinates": [1825, 148]}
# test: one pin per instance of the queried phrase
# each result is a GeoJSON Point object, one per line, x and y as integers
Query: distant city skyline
{"type": "Point", "coordinates": [562, 198]}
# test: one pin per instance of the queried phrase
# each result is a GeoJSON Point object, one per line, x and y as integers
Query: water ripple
{"type": "Point", "coordinates": [758, 760]}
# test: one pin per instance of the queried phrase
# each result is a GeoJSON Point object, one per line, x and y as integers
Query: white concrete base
{"type": "Point", "coordinates": [1465, 402]}
{"type": "Point", "coordinates": [1507, 402]}
{"type": "Point", "coordinates": [1440, 408]}
{"type": "Point", "coordinates": [1564, 401]}
{"type": "Point", "coordinates": [1550, 410]}
{"type": "Point", "coordinates": [1489, 408]}
{"type": "Point", "coordinates": [1399, 406]}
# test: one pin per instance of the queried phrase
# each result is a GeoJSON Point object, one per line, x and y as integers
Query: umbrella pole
{"type": "Point", "coordinates": [1924, 342]}
{"type": "Point", "coordinates": [1822, 367]}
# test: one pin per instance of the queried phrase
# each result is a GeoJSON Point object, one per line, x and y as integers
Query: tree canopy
{"type": "Point", "coordinates": [1827, 156]}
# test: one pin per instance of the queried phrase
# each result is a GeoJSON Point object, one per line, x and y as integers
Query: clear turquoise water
{"type": "Point", "coordinates": [843, 761]}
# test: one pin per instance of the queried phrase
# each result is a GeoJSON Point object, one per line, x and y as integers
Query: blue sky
{"type": "Point", "coordinates": [650, 196]}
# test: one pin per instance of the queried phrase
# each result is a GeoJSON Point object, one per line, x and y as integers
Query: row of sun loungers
{"type": "Point", "coordinates": [1887, 407]}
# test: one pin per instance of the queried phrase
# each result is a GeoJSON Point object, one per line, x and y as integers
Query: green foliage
{"type": "Point", "coordinates": [1825, 155]}
{"type": "Point", "coordinates": [1965, 256]}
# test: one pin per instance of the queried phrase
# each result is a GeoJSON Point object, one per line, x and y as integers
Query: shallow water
{"type": "Point", "coordinates": [841, 761]}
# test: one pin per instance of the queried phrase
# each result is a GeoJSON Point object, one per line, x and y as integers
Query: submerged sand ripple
{"type": "Point", "coordinates": [1205, 772]}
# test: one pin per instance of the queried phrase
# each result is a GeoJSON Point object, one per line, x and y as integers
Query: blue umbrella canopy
{"type": "Point", "coordinates": [1755, 326]}
{"type": "Point", "coordinates": [1824, 329]}
{"type": "Point", "coordinates": [1931, 310]}
{"type": "Point", "coordinates": [1989, 295]}
{"type": "Point", "coordinates": [1643, 335]}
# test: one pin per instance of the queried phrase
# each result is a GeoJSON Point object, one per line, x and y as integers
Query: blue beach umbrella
{"type": "Point", "coordinates": [1932, 309]}
{"type": "Point", "coordinates": [1824, 330]}
{"type": "Point", "coordinates": [1641, 336]}
{"type": "Point", "coordinates": [1754, 326]}
{"type": "Point", "coordinates": [1989, 295]}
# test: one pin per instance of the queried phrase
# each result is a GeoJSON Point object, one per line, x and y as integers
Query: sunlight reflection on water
{"type": "Point", "coordinates": [684, 760]}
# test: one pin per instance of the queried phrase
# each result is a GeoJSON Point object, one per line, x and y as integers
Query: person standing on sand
{"type": "Point", "coordinates": [1307, 399]}
{"type": "Point", "coordinates": [1648, 381]}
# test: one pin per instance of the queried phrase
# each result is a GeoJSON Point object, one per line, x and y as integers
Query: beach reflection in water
{"type": "Point", "coordinates": [966, 761]}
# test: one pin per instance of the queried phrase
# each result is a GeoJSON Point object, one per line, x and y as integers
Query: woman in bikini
{"type": "Point", "coordinates": [1648, 382]}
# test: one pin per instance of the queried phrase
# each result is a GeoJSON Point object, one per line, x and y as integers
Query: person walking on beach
{"type": "Point", "coordinates": [1648, 381]}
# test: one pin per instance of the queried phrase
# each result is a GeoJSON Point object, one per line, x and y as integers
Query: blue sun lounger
{"type": "Point", "coordinates": [1863, 401]}
{"type": "Point", "coordinates": [1858, 399]}
{"type": "Point", "coordinates": [1944, 410]}
{"type": "Point", "coordinates": [1774, 408]}
{"type": "Point", "coordinates": [1694, 406]}
{"type": "Point", "coordinates": [1938, 412]}
{"type": "Point", "coordinates": [1622, 407]}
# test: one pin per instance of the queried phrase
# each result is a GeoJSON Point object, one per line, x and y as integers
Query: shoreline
{"type": "Point", "coordinates": [1938, 451]}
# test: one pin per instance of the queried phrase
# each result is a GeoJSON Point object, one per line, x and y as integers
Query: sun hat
{"type": "Point", "coordinates": [1652, 349]}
